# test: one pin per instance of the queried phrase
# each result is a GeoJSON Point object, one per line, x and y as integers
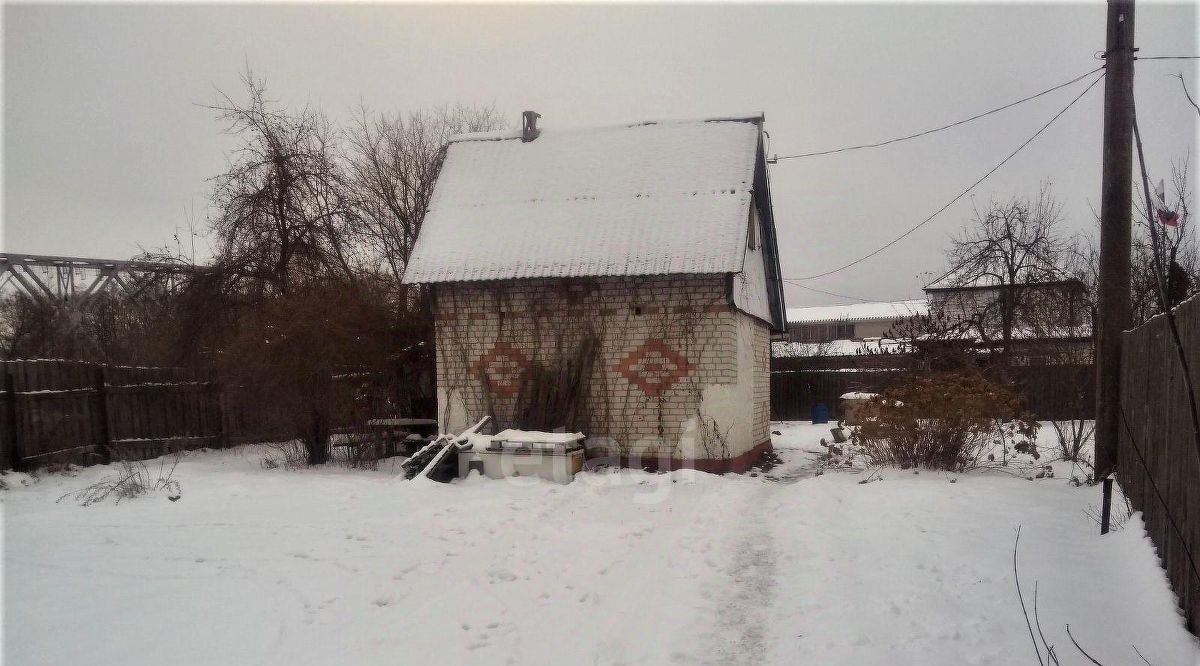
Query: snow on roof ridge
{"type": "Point", "coordinates": [858, 311]}
{"type": "Point", "coordinates": [508, 134]}
{"type": "Point", "coordinates": [664, 198]}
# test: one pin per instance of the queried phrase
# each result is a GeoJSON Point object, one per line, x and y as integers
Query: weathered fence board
{"type": "Point", "coordinates": [1157, 449]}
{"type": "Point", "coordinates": [1050, 392]}
{"type": "Point", "coordinates": [60, 411]}
{"type": "Point", "coordinates": [794, 392]}
{"type": "Point", "coordinates": [73, 411]}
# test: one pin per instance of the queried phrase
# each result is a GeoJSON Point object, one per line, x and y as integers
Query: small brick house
{"type": "Point", "coordinates": [655, 241]}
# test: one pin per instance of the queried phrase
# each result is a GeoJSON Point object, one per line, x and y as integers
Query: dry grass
{"type": "Point", "coordinates": [133, 479]}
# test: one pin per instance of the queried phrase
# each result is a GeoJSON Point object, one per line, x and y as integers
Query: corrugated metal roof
{"type": "Point", "coordinates": [858, 311]}
{"type": "Point", "coordinates": [643, 199]}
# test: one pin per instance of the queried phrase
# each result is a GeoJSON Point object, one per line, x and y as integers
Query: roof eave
{"type": "Point", "coordinates": [774, 274]}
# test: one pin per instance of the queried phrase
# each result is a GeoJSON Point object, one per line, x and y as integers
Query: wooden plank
{"type": "Point", "coordinates": [12, 442]}
{"type": "Point", "coordinates": [155, 388]}
{"type": "Point", "coordinates": [194, 408]}
{"type": "Point", "coordinates": [115, 409]}
{"type": "Point", "coordinates": [178, 425]}
{"type": "Point", "coordinates": [148, 415]}
{"type": "Point", "coordinates": [100, 400]}
{"type": "Point", "coordinates": [28, 412]}
{"type": "Point", "coordinates": [140, 416]}
{"type": "Point", "coordinates": [1157, 404]}
{"type": "Point", "coordinates": [74, 376]}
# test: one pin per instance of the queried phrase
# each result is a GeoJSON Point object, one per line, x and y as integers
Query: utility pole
{"type": "Point", "coordinates": [1116, 203]}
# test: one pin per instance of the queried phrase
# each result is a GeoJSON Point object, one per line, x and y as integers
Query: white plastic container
{"type": "Point", "coordinates": [553, 456]}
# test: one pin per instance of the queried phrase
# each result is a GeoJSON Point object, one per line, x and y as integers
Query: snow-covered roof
{"type": "Point", "coordinates": [641, 199]}
{"type": "Point", "coordinates": [788, 349]}
{"type": "Point", "coordinates": [889, 311]}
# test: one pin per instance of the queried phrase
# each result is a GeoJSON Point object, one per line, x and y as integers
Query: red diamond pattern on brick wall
{"type": "Point", "coordinates": [654, 366]}
{"type": "Point", "coordinates": [504, 366]}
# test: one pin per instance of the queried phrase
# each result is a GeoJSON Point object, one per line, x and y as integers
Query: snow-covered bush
{"type": "Point", "coordinates": [10, 479]}
{"type": "Point", "coordinates": [949, 420]}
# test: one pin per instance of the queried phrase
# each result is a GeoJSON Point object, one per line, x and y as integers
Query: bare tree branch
{"type": "Point", "coordinates": [1021, 598]}
{"type": "Point", "coordinates": [1080, 648]}
{"type": "Point", "coordinates": [1183, 83]}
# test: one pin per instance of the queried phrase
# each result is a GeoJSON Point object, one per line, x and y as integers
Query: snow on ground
{"type": "Point", "coordinates": [269, 566]}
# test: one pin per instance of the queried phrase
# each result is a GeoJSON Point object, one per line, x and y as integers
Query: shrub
{"type": "Point", "coordinates": [292, 355]}
{"type": "Point", "coordinates": [132, 479]}
{"type": "Point", "coordinates": [949, 421]}
{"type": "Point", "coordinates": [291, 454]}
{"type": "Point", "coordinates": [1072, 435]}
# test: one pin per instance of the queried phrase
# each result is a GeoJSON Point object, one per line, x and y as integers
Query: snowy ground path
{"type": "Point", "coordinates": [257, 566]}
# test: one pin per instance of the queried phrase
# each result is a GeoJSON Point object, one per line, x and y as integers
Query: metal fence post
{"type": "Point", "coordinates": [1106, 507]}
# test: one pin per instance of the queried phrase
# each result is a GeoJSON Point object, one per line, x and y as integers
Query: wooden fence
{"type": "Point", "coordinates": [1156, 446]}
{"type": "Point", "coordinates": [794, 392]}
{"type": "Point", "coordinates": [59, 411]}
{"type": "Point", "coordinates": [1050, 391]}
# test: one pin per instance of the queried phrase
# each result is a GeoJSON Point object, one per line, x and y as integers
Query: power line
{"type": "Point", "coordinates": [937, 129]}
{"type": "Point", "coordinates": [827, 293]}
{"type": "Point", "coordinates": [1167, 58]}
{"type": "Point", "coordinates": [834, 293]}
{"type": "Point", "coordinates": [962, 194]}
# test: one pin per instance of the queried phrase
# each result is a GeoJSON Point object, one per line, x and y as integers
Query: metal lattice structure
{"type": "Point", "coordinates": [78, 279]}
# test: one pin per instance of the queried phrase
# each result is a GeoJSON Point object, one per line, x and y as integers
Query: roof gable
{"type": "Point", "coordinates": [644, 199]}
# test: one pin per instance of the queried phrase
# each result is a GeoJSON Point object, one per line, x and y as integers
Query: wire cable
{"type": "Point", "coordinates": [962, 194]}
{"type": "Point", "coordinates": [936, 129]}
{"type": "Point", "coordinates": [794, 283]}
{"type": "Point", "coordinates": [1166, 58]}
{"type": "Point", "coordinates": [827, 293]}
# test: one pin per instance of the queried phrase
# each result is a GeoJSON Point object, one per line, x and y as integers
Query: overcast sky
{"type": "Point", "coordinates": [106, 148]}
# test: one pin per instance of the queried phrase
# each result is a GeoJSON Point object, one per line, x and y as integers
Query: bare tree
{"type": "Point", "coordinates": [1164, 254]}
{"type": "Point", "coordinates": [1005, 264]}
{"type": "Point", "coordinates": [33, 327]}
{"type": "Point", "coordinates": [313, 228]}
{"type": "Point", "coordinates": [108, 326]}
{"type": "Point", "coordinates": [283, 361]}
{"type": "Point", "coordinates": [393, 162]}
{"type": "Point", "coordinates": [289, 285]}
{"type": "Point", "coordinates": [284, 209]}
{"type": "Point", "coordinates": [1061, 322]}
{"type": "Point", "coordinates": [932, 342]}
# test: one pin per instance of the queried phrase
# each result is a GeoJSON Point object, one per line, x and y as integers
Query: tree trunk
{"type": "Point", "coordinates": [318, 438]}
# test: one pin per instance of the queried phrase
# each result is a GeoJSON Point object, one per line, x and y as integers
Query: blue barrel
{"type": "Point", "coordinates": [820, 413]}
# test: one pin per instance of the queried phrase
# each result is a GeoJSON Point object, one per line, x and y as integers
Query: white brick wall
{"type": "Point", "coordinates": [519, 322]}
